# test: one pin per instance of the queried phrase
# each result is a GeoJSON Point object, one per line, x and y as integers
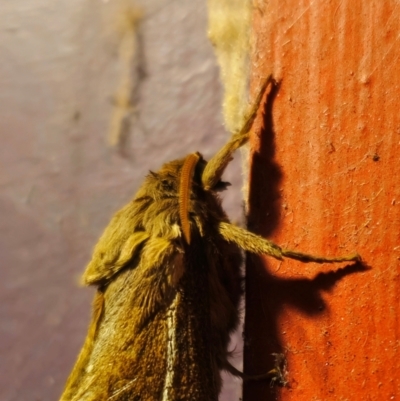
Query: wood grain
{"type": "Point", "coordinates": [324, 177]}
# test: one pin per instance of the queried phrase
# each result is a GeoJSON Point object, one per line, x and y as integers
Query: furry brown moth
{"type": "Point", "coordinates": [168, 276]}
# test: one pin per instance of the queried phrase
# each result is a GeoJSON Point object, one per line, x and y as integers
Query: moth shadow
{"type": "Point", "coordinates": [268, 294]}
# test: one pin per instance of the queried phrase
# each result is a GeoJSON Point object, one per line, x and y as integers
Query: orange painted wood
{"type": "Point", "coordinates": [324, 180]}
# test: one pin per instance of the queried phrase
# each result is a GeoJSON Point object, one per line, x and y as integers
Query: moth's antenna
{"type": "Point", "coordinates": [185, 185]}
{"type": "Point", "coordinates": [216, 166]}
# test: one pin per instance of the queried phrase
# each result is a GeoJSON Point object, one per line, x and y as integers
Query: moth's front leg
{"type": "Point", "coordinates": [254, 243]}
{"type": "Point", "coordinates": [216, 166]}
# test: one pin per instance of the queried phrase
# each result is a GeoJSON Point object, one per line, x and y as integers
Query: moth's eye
{"type": "Point", "coordinates": [167, 185]}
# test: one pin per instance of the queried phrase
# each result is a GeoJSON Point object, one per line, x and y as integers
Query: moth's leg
{"type": "Point", "coordinates": [254, 243]}
{"type": "Point", "coordinates": [216, 166]}
{"type": "Point", "coordinates": [304, 257]}
{"type": "Point", "coordinates": [276, 375]}
{"type": "Point", "coordinates": [248, 241]}
{"type": "Point", "coordinates": [235, 372]}
{"type": "Point", "coordinates": [106, 263]}
{"type": "Point", "coordinates": [251, 112]}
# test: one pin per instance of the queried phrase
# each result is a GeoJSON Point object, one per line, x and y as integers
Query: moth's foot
{"type": "Point", "coordinates": [278, 375]}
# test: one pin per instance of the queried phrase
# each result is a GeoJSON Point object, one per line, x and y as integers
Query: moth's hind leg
{"type": "Point", "coordinates": [277, 375]}
{"type": "Point", "coordinates": [254, 243]}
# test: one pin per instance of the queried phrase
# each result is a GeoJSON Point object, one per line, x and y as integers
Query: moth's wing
{"type": "Point", "coordinates": [159, 264]}
{"type": "Point", "coordinates": [106, 263]}
{"type": "Point", "coordinates": [119, 244]}
{"type": "Point", "coordinates": [128, 358]}
{"type": "Point", "coordinates": [74, 379]}
{"type": "Point", "coordinates": [160, 268]}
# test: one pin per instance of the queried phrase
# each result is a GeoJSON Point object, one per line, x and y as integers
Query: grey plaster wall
{"type": "Point", "coordinates": [60, 180]}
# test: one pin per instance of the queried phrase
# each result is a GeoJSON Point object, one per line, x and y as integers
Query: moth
{"type": "Point", "coordinates": [169, 282]}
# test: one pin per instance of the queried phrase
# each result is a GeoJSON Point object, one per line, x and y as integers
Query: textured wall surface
{"type": "Point", "coordinates": [60, 180]}
{"type": "Point", "coordinates": [324, 180]}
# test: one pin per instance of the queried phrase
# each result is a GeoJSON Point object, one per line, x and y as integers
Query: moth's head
{"type": "Point", "coordinates": [182, 179]}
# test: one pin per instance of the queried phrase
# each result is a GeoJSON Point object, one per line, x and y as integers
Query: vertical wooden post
{"type": "Point", "coordinates": [324, 180]}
